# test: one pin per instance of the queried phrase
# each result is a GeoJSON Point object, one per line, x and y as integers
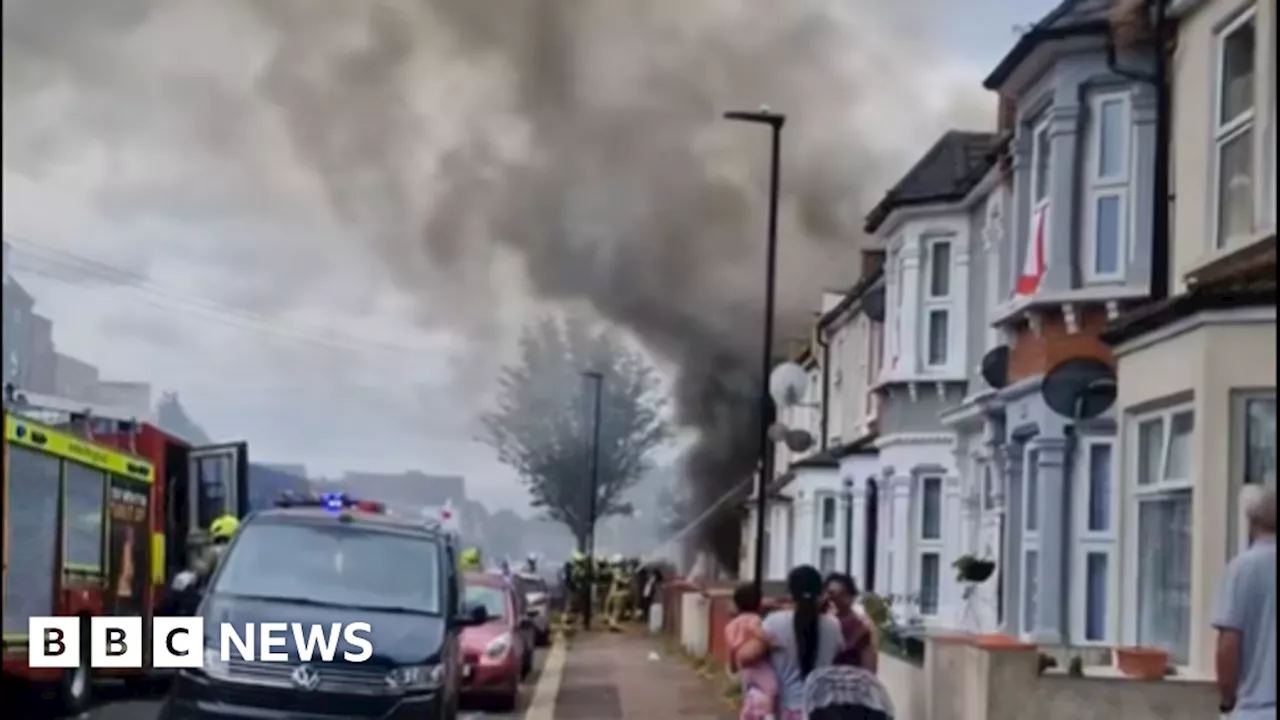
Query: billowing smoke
{"type": "Point", "coordinates": [489, 151]}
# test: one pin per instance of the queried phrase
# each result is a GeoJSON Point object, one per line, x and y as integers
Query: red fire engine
{"type": "Point", "coordinates": [105, 511]}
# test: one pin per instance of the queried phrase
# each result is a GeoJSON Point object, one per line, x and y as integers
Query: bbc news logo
{"type": "Point", "coordinates": [180, 642]}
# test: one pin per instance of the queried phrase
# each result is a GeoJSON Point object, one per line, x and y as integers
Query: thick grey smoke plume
{"type": "Point", "coordinates": [489, 150]}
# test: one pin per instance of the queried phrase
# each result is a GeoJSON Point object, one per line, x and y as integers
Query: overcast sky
{"type": "Point", "coordinates": [173, 245]}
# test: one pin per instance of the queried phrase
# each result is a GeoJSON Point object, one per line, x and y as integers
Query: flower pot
{"type": "Point", "coordinates": [1142, 663]}
{"type": "Point", "coordinates": [977, 571]}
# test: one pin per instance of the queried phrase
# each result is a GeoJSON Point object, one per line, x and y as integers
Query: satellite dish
{"type": "Point", "coordinates": [787, 384]}
{"type": "Point", "coordinates": [1080, 388]}
{"type": "Point", "coordinates": [995, 367]}
{"type": "Point", "coordinates": [873, 304]}
{"type": "Point", "coordinates": [777, 433]}
{"type": "Point", "coordinates": [798, 441]}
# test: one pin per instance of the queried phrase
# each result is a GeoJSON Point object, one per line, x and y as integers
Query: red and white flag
{"type": "Point", "coordinates": [1034, 266]}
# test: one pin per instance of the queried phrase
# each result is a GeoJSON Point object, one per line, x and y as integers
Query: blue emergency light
{"type": "Point", "coordinates": [333, 502]}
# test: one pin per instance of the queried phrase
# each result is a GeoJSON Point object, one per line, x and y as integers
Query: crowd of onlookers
{"type": "Point", "coordinates": [817, 657]}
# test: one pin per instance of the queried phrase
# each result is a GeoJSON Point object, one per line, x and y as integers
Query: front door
{"type": "Point", "coordinates": [217, 480]}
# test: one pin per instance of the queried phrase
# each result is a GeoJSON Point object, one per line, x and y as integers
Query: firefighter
{"type": "Point", "coordinates": [576, 574]}
{"type": "Point", "coordinates": [188, 585]}
{"type": "Point", "coordinates": [618, 589]}
{"type": "Point", "coordinates": [471, 560]}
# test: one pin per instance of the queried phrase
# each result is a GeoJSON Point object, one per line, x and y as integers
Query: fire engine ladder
{"type": "Point", "coordinates": [84, 418]}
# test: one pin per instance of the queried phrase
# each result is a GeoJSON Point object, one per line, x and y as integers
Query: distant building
{"type": "Point", "coordinates": [37, 362]}
{"type": "Point", "coordinates": [407, 488]}
{"type": "Point", "coordinates": [74, 378]}
{"type": "Point", "coordinates": [131, 396]}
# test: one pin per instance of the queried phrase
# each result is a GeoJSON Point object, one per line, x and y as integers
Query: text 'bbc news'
{"type": "Point", "coordinates": [181, 642]}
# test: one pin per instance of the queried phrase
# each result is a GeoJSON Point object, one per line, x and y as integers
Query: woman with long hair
{"type": "Point", "coordinates": [797, 641]}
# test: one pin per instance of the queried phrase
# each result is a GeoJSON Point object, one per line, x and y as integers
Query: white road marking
{"type": "Point", "coordinates": [543, 705]}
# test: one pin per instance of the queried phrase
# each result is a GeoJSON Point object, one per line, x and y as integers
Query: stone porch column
{"type": "Point", "coordinates": [1054, 500]}
{"type": "Point", "coordinates": [953, 546]}
{"type": "Point", "coordinates": [859, 531]}
{"type": "Point", "coordinates": [1010, 457]}
{"type": "Point", "coordinates": [902, 541]}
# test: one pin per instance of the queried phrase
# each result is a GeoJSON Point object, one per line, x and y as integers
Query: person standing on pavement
{"type": "Point", "coordinates": [1246, 617]}
{"type": "Point", "coordinates": [859, 638]}
{"type": "Point", "coordinates": [797, 640]}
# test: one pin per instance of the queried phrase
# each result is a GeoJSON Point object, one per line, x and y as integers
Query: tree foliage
{"type": "Point", "coordinates": [542, 423]}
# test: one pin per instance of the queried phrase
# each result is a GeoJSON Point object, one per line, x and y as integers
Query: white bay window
{"type": "Point", "coordinates": [929, 544]}
{"type": "Point", "coordinates": [1041, 159]}
{"type": "Point", "coordinates": [1107, 239]}
{"type": "Point", "coordinates": [1236, 188]}
{"type": "Point", "coordinates": [937, 301]}
{"type": "Point", "coordinates": [828, 523]}
{"type": "Point", "coordinates": [1162, 500]}
{"type": "Point", "coordinates": [1094, 565]}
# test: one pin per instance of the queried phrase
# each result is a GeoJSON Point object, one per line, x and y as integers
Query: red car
{"type": "Point", "coordinates": [496, 656]}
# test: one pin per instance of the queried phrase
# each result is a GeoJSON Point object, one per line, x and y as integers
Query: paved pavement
{"type": "Point", "coordinates": [597, 676]}
{"type": "Point", "coordinates": [624, 676]}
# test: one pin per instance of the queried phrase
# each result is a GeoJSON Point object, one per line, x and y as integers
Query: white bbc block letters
{"type": "Point", "coordinates": [53, 642]}
{"type": "Point", "coordinates": [177, 642]}
{"type": "Point", "coordinates": [116, 642]}
{"type": "Point", "coordinates": [180, 642]}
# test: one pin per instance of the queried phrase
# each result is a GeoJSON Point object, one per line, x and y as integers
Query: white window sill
{"type": "Point", "coordinates": [1217, 255]}
{"type": "Point", "coordinates": [1015, 309]}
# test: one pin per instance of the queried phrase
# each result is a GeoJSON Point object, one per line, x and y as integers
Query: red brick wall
{"type": "Point", "coordinates": [1033, 353]}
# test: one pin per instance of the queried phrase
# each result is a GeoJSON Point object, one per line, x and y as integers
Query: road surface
{"type": "Point", "coordinates": [115, 704]}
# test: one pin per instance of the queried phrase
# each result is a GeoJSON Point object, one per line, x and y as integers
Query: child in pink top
{"type": "Point", "coordinates": [759, 683]}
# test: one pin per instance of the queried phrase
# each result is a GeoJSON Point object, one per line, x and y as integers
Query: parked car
{"type": "Point", "coordinates": [498, 654]}
{"type": "Point", "coordinates": [537, 596]}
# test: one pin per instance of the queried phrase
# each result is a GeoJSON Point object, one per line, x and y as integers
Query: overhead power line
{"type": "Point", "coordinates": [57, 264]}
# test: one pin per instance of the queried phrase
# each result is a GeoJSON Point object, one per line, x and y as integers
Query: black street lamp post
{"type": "Point", "coordinates": [597, 382]}
{"type": "Point", "coordinates": [775, 121]}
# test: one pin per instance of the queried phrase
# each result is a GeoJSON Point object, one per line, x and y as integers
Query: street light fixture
{"type": "Point", "coordinates": [597, 382]}
{"type": "Point", "coordinates": [774, 121]}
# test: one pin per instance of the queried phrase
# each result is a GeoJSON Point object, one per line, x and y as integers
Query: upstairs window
{"type": "Point", "coordinates": [1235, 176]}
{"type": "Point", "coordinates": [937, 300]}
{"type": "Point", "coordinates": [939, 269]}
{"type": "Point", "coordinates": [1041, 155]}
{"type": "Point", "coordinates": [1107, 243]}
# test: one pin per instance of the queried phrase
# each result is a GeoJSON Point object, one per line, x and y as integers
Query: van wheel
{"type": "Point", "coordinates": [75, 689]}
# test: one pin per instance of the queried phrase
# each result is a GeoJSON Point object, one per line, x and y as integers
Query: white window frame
{"type": "Point", "coordinates": [875, 346]}
{"type": "Point", "coordinates": [1105, 186]}
{"type": "Point", "coordinates": [821, 540]}
{"type": "Point", "coordinates": [936, 303]}
{"type": "Point", "coordinates": [1095, 542]}
{"type": "Point", "coordinates": [992, 236]}
{"type": "Point", "coordinates": [895, 301]}
{"type": "Point", "coordinates": [1225, 133]}
{"type": "Point", "coordinates": [1238, 533]}
{"type": "Point", "coordinates": [1135, 493]}
{"type": "Point", "coordinates": [1042, 127]}
{"type": "Point", "coordinates": [929, 546]}
{"type": "Point", "coordinates": [1030, 540]}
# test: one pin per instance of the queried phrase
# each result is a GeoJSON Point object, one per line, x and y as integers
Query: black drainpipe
{"type": "Point", "coordinates": [1162, 192]}
{"type": "Point", "coordinates": [826, 380]}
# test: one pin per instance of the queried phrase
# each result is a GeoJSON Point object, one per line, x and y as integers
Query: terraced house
{"type": "Point", "coordinates": [929, 224]}
{"type": "Point", "coordinates": [1197, 371]}
{"type": "Point", "coordinates": [1082, 124]}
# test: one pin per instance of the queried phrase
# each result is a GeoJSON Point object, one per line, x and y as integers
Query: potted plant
{"type": "Point", "coordinates": [1142, 663]}
{"type": "Point", "coordinates": [973, 569]}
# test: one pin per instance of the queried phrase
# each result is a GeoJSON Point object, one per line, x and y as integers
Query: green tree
{"type": "Point", "coordinates": [542, 422]}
